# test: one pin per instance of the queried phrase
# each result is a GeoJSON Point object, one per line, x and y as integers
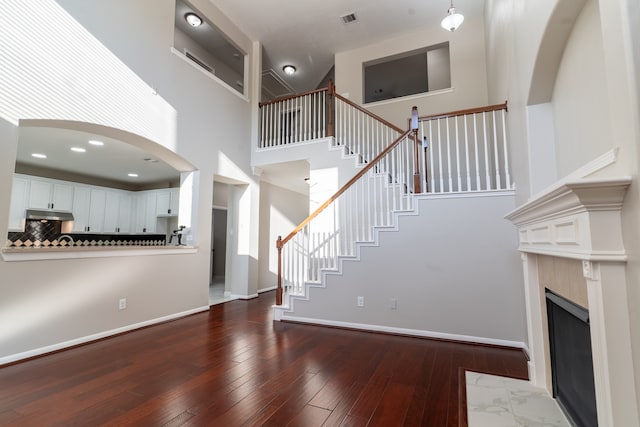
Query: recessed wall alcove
{"type": "Point", "coordinates": [570, 237]}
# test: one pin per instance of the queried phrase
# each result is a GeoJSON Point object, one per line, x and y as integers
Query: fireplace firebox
{"type": "Point", "coordinates": [571, 360]}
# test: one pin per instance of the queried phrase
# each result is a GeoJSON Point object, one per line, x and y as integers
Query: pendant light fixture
{"type": "Point", "coordinates": [452, 21]}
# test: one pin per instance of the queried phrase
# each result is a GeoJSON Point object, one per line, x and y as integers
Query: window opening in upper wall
{"type": "Point", "coordinates": [208, 47]}
{"type": "Point", "coordinates": [409, 73]}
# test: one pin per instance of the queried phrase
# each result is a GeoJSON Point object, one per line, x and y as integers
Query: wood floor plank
{"type": "Point", "coordinates": [234, 366]}
{"type": "Point", "coordinates": [310, 416]}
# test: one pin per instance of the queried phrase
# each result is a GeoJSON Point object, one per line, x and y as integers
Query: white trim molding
{"type": "Point", "coordinates": [405, 331]}
{"type": "Point", "coordinates": [580, 219]}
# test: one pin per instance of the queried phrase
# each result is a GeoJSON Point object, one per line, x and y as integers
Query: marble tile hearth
{"type": "Point", "coordinates": [494, 401]}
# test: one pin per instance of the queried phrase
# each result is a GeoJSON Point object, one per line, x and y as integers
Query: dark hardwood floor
{"type": "Point", "coordinates": [233, 366]}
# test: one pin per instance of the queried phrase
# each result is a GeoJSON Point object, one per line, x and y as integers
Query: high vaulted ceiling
{"type": "Point", "coordinates": [307, 33]}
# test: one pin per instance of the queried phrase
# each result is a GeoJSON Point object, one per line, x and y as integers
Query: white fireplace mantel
{"type": "Point", "coordinates": [581, 220]}
{"type": "Point", "coordinates": [578, 220]}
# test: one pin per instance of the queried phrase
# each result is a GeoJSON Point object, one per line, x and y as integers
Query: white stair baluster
{"type": "Point", "coordinates": [486, 151]}
{"type": "Point", "coordinates": [466, 151]}
{"type": "Point", "coordinates": [506, 154]}
{"type": "Point", "coordinates": [459, 183]}
{"type": "Point", "coordinates": [496, 152]}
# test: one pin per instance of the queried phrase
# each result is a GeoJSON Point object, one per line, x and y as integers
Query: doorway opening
{"type": "Point", "coordinates": [217, 290]}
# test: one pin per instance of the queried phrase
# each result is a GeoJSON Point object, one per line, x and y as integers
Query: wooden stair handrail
{"type": "Point", "coordinates": [288, 97]}
{"type": "Point", "coordinates": [367, 112]}
{"type": "Point", "coordinates": [371, 164]}
{"type": "Point", "coordinates": [465, 112]}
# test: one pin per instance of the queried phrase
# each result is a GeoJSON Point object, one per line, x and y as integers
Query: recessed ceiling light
{"type": "Point", "coordinates": [78, 149]}
{"type": "Point", "coordinates": [193, 19]}
{"type": "Point", "coordinates": [289, 70]}
{"type": "Point", "coordinates": [39, 156]}
{"type": "Point", "coordinates": [96, 142]}
{"type": "Point", "coordinates": [132, 175]}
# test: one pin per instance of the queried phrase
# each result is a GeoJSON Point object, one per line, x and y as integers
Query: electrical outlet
{"type": "Point", "coordinates": [393, 305]}
{"type": "Point", "coordinates": [122, 304]}
{"type": "Point", "coordinates": [360, 302]}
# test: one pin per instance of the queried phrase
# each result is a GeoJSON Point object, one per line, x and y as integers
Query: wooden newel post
{"type": "Point", "coordinates": [416, 164]}
{"type": "Point", "coordinates": [330, 92]}
{"type": "Point", "coordinates": [279, 290]}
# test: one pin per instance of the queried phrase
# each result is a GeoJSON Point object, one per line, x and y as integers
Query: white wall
{"type": "Point", "coordinates": [581, 118]}
{"type": "Point", "coordinates": [151, 93]}
{"type": "Point", "coordinates": [453, 274]}
{"type": "Point", "coordinates": [468, 78]}
{"type": "Point", "coordinates": [281, 210]}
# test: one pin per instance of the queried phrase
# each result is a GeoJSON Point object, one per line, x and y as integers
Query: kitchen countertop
{"type": "Point", "coordinates": [70, 252]}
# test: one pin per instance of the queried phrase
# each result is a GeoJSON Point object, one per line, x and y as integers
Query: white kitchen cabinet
{"type": "Point", "coordinates": [117, 213]}
{"type": "Point", "coordinates": [19, 191]}
{"type": "Point", "coordinates": [48, 194]}
{"type": "Point", "coordinates": [167, 202]}
{"type": "Point", "coordinates": [125, 212]}
{"type": "Point", "coordinates": [96, 210]}
{"type": "Point", "coordinates": [88, 209]}
{"type": "Point", "coordinates": [145, 212]}
{"type": "Point", "coordinates": [81, 204]}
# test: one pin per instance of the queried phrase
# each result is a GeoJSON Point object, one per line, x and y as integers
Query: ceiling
{"type": "Point", "coordinates": [307, 34]}
{"type": "Point", "coordinates": [113, 161]}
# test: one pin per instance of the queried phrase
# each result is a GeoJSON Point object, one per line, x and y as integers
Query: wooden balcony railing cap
{"type": "Point", "coordinates": [288, 97]}
{"type": "Point", "coordinates": [465, 112]}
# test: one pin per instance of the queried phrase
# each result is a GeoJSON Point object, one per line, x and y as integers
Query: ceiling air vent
{"type": "Point", "coordinates": [273, 86]}
{"type": "Point", "coordinates": [347, 19]}
{"type": "Point", "coordinates": [198, 61]}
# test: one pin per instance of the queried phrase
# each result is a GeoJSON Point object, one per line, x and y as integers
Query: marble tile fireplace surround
{"type": "Point", "coordinates": [571, 242]}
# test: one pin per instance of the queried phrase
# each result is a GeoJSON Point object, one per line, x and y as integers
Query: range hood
{"type": "Point", "coordinates": [33, 214]}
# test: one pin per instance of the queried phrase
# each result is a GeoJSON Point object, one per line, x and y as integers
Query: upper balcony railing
{"type": "Point", "coordinates": [323, 113]}
{"type": "Point", "coordinates": [467, 150]}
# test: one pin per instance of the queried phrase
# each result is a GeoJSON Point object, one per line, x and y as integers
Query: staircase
{"type": "Point", "coordinates": [452, 153]}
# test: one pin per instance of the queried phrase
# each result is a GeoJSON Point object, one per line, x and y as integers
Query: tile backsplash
{"type": "Point", "coordinates": [47, 235]}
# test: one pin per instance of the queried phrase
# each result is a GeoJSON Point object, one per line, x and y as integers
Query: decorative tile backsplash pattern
{"type": "Point", "coordinates": [47, 240]}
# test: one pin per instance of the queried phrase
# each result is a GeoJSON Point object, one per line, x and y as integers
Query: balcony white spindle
{"type": "Point", "coordinates": [324, 115]}
{"type": "Point", "coordinates": [273, 126]}
{"type": "Point", "coordinates": [486, 151]}
{"type": "Point", "coordinates": [431, 156]}
{"type": "Point", "coordinates": [440, 171]}
{"type": "Point", "coordinates": [459, 182]}
{"type": "Point", "coordinates": [298, 119]}
{"type": "Point", "coordinates": [423, 159]}
{"type": "Point", "coordinates": [276, 120]}
{"type": "Point", "coordinates": [475, 135]}
{"type": "Point", "coordinates": [506, 154]}
{"type": "Point", "coordinates": [449, 171]}
{"type": "Point", "coordinates": [270, 125]}
{"type": "Point", "coordinates": [496, 152]}
{"type": "Point", "coordinates": [466, 151]}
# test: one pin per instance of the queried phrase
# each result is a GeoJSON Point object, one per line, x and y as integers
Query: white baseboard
{"type": "Point", "coordinates": [272, 288]}
{"type": "Point", "coordinates": [404, 331]}
{"type": "Point", "coordinates": [236, 296]}
{"type": "Point", "coordinates": [89, 338]}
